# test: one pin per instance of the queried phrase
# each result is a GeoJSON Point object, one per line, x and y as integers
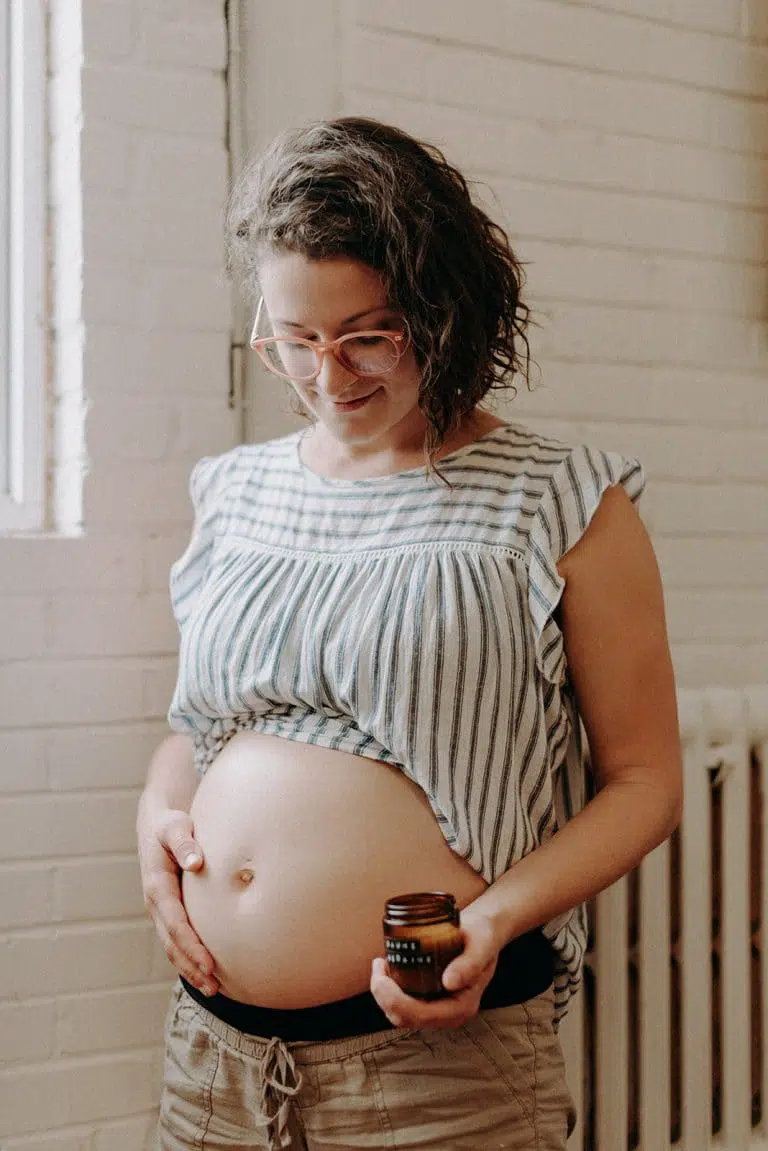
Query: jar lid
{"type": "Point", "coordinates": [421, 907]}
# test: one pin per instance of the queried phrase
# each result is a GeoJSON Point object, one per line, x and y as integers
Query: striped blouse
{"type": "Point", "coordinates": [405, 620]}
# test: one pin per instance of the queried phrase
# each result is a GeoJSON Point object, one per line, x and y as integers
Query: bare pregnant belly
{"type": "Point", "coordinates": [302, 847]}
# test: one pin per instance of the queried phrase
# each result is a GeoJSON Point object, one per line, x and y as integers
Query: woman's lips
{"type": "Point", "coordinates": [352, 405]}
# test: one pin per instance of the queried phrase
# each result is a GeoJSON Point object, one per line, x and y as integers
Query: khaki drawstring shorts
{"type": "Point", "coordinates": [496, 1082]}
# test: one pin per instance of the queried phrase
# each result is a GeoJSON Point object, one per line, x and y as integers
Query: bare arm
{"type": "Point", "coordinates": [612, 617]}
{"type": "Point", "coordinates": [171, 778]}
{"type": "Point", "coordinates": [166, 847]}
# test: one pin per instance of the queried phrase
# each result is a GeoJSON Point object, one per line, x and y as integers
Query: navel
{"type": "Point", "coordinates": [244, 876]}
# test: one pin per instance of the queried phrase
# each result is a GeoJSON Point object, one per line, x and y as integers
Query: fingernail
{"type": "Point", "coordinates": [208, 989]}
{"type": "Point", "coordinates": [192, 859]}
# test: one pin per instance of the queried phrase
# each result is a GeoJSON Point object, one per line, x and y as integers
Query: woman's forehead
{"type": "Point", "coordinates": [335, 290]}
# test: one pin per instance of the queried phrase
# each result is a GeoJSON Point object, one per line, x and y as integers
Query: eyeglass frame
{"type": "Point", "coordinates": [322, 349]}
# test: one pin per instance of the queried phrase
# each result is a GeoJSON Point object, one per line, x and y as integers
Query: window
{"type": "Point", "coordinates": [22, 263]}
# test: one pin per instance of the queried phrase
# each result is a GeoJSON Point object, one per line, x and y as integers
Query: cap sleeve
{"type": "Point", "coordinates": [189, 572]}
{"type": "Point", "coordinates": [570, 499]}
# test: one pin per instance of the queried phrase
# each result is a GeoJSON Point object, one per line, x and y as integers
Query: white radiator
{"type": "Point", "coordinates": [666, 1043]}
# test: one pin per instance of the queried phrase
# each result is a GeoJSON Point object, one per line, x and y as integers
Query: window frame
{"type": "Point", "coordinates": [24, 337]}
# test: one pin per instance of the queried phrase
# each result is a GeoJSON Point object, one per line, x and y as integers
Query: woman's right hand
{"type": "Point", "coordinates": [167, 847]}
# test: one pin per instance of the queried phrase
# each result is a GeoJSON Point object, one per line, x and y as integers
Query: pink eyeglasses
{"type": "Point", "coordinates": [369, 353]}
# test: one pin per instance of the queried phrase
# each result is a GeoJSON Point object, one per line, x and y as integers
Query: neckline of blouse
{"type": "Point", "coordinates": [391, 477]}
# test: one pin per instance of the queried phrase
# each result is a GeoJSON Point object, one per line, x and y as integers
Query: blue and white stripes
{"type": "Point", "coordinates": [403, 620]}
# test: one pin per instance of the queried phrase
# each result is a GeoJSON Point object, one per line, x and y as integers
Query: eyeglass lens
{"type": "Point", "coordinates": [366, 355]}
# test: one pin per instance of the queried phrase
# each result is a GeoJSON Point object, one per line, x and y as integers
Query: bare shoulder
{"type": "Point", "coordinates": [617, 651]}
{"type": "Point", "coordinates": [615, 541]}
{"type": "Point", "coordinates": [613, 602]}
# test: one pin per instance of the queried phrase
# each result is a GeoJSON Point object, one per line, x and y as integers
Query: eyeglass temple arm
{"type": "Point", "coordinates": [255, 327]}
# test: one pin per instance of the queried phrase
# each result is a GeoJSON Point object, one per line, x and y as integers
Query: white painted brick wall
{"type": "Point", "coordinates": [624, 143]}
{"type": "Point", "coordinates": [87, 658]}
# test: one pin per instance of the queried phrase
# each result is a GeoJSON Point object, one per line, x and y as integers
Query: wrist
{"type": "Point", "coordinates": [153, 803]}
{"type": "Point", "coordinates": [171, 780]}
{"type": "Point", "coordinates": [493, 916]}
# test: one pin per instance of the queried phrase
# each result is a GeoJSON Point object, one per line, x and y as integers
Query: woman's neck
{"type": "Point", "coordinates": [327, 456]}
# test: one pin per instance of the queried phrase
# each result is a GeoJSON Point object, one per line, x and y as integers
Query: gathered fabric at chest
{"type": "Point", "coordinates": [400, 619]}
{"type": "Point", "coordinates": [419, 658]}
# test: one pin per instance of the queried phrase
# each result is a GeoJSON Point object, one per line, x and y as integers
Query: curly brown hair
{"type": "Point", "coordinates": [363, 189]}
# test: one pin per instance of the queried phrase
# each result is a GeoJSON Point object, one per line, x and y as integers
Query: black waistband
{"type": "Point", "coordinates": [525, 968]}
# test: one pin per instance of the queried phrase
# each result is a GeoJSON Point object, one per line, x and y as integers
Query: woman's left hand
{"type": "Point", "coordinates": [466, 978]}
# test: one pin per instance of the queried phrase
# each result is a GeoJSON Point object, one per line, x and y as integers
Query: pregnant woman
{"type": "Point", "coordinates": [391, 625]}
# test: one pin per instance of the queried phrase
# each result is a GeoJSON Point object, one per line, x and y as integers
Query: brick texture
{"type": "Point", "coordinates": [141, 379]}
{"type": "Point", "coordinates": [623, 144]}
{"type": "Point", "coordinates": [624, 147]}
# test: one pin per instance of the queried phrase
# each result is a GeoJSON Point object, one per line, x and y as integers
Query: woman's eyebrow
{"type": "Point", "coordinates": [349, 319]}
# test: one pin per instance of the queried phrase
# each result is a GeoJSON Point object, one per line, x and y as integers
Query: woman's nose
{"type": "Point", "coordinates": [334, 378]}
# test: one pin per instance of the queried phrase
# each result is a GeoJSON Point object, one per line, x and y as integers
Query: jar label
{"type": "Point", "coordinates": [408, 953]}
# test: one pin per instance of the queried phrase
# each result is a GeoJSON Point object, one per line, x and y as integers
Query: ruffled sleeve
{"type": "Point", "coordinates": [567, 506]}
{"type": "Point", "coordinates": [190, 570]}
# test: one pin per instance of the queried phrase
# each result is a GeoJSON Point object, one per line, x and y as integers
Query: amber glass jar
{"type": "Point", "coordinates": [422, 936]}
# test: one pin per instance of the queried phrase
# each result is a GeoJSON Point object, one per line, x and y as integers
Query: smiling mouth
{"type": "Point", "coordinates": [349, 405]}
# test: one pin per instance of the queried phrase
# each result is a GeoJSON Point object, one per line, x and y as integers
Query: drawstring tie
{"type": "Point", "coordinates": [280, 1081]}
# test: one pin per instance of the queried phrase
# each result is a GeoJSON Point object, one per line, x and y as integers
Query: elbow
{"type": "Point", "coordinates": [664, 822]}
{"type": "Point", "coordinates": [675, 816]}
{"type": "Point", "coordinates": [673, 810]}
{"type": "Point", "coordinates": [664, 810]}
{"type": "Point", "coordinates": [670, 792]}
